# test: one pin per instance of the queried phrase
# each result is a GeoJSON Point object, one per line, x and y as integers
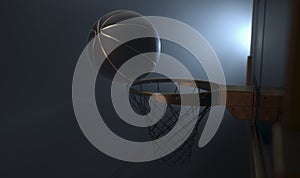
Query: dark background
{"type": "Point", "coordinates": [41, 43]}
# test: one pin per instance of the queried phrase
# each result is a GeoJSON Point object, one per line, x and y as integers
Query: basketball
{"type": "Point", "coordinates": [119, 36]}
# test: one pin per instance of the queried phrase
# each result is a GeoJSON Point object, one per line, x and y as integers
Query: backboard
{"type": "Point", "coordinates": [269, 51]}
{"type": "Point", "coordinates": [271, 38]}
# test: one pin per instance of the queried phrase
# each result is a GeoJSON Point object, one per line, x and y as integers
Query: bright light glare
{"type": "Point", "coordinates": [244, 36]}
